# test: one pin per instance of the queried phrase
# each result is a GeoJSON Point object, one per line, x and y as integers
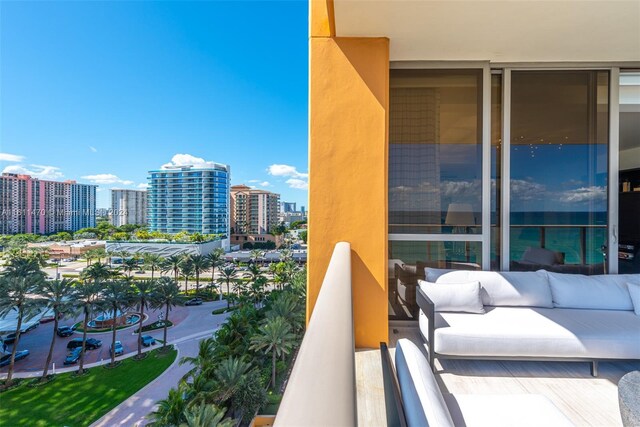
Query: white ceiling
{"type": "Point", "coordinates": [498, 31]}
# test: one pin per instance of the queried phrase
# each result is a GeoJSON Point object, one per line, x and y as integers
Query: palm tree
{"type": "Point", "coordinates": [167, 295]}
{"type": "Point", "coordinates": [202, 362]}
{"type": "Point", "coordinates": [228, 375]}
{"type": "Point", "coordinates": [229, 274]}
{"type": "Point", "coordinates": [173, 263]}
{"type": "Point", "coordinates": [58, 296]}
{"type": "Point", "coordinates": [144, 294]}
{"type": "Point", "coordinates": [206, 415]}
{"type": "Point", "coordinates": [153, 262]}
{"type": "Point", "coordinates": [87, 296]}
{"type": "Point", "coordinates": [255, 255]}
{"type": "Point", "coordinates": [199, 264]}
{"type": "Point", "coordinates": [116, 297]}
{"type": "Point", "coordinates": [186, 269]}
{"type": "Point", "coordinates": [16, 294]}
{"type": "Point", "coordinates": [170, 411]}
{"type": "Point", "coordinates": [97, 272]}
{"type": "Point", "coordinates": [288, 307]}
{"type": "Point", "coordinates": [22, 266]}
{"type": "Point", "coordinates": [130, 265]}
{"type": "Point", "coordinates": [274, 337]}
{"type": "Point", "coordinates": [215, 261]}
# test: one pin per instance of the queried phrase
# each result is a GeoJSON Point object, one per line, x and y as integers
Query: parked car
{"type": "Point", "coordinates": [91, 344]}
{"type": "Point", "coordinates": [73, 356]}
{"type": "Point", "coordinates": [5, 359]}
{"type": "Point", "coordinates": [194, 301]}
{"type": "Point", "coordinates": [65, 331]}
{"type": "Point", "coordinates": [148, 340]}
{"type": "Point", "coordinates": [118, 348]}
{"type": "Point", "coordinates": [10, 338]}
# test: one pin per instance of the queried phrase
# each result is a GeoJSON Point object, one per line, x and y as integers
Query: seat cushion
{"type": "Point", "coordinates": [421, 397]}
{"type": "Point", "coordinates": [601, 292]}
{"type": "Point", "coordinates": [523, 288]}
{"type": "Point", "coordinates": [486, 410]}
{"type": "Point", "coordinates": [537, 332]}
{"type": "Point", "coordinates": [634, 292]}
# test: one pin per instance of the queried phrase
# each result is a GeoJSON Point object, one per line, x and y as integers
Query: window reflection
{"type": "Point", "coordinates": [435, 154]}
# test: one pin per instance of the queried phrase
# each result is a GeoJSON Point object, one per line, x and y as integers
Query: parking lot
{"type": "Point", "coordinates": [187, 321]}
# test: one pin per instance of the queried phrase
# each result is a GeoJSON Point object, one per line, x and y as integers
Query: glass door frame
{"type": "Point", "coordinates": [505, 191]}
{"type": "Point", "coordinates": [613, 162]}
{"type": "Point", "coordinates": [485, 236]}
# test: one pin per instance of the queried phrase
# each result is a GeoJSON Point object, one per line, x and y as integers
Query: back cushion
{"type": "Point", "coordinates": [422, 399]}
{"type": "Point", "coordinates": [432, 274]}
{"type": "Point", "coordinates": [515, 289]}
{"type": "Point", "coordinates": [603, 292]}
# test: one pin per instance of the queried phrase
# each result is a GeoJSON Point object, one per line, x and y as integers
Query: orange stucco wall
{"type": "Point", "coordinates": [348, 152]}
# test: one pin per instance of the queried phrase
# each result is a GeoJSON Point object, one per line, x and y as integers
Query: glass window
{"type": "Point", "coordinates": [435, 151]}
{"type": "Point", "coordinates": [559, 161]}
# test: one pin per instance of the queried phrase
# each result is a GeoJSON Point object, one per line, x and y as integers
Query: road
{"type": "Point", "coordinates": [188, 321]}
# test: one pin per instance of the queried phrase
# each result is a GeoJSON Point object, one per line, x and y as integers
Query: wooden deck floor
{"type": "Point", "coordinates": [585, 400]}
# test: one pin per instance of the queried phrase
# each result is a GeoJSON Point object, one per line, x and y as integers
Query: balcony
{"type": "Point", "coordinates": [333, 383]}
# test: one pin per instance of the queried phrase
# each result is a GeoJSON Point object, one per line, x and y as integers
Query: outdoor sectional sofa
{"type": "Point", "coordinates": [529, 316]}
{"type": "Point", "coordinates": [414, 399]}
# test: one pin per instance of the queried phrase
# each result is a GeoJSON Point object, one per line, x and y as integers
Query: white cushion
{"type": "Point", "coordinates": [634, 292]}
{"type": "Point", "coordinates": [458, 297]}
{"type": "Point", "coordinates": [422, 399]}
{"type": "Point", "coordinates": [603, 292]}
{"type": "Point", "coordinates": [525, 288]}
{"type": "Point", "coordinates": [522, 410]}
{"type": "Point", "coordinates": [538, 332]}
{"type": "Point", "coordinates": [432, 274]}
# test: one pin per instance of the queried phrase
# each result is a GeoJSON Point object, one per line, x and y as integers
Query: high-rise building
{"type": "Point", "coordinates": [31, 205]}
{"type": "Point", "coordinates": [128, 207]}
{"type": "Point", "coordinates": [186, 198]}
{"type": "Point", "coordinates": [253, 214]}
{"type": "Point", "coordinates": [288, 207]}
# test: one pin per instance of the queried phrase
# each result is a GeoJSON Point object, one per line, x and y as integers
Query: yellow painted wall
{"type": "Point", "coordinates": [348, 164]}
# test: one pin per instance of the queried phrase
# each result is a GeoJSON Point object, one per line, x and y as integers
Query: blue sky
{"type": "Point", "coordinates": [102, 92]}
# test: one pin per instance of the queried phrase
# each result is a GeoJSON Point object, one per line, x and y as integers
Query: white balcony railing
{"type": "Point", "coordinates": [322, 388]}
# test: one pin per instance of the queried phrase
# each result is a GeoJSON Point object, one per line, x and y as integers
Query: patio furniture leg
{"type": "Point", "coordinates": [594, 368]}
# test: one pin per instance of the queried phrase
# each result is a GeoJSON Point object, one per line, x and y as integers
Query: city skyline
{"type": "Point", "coordinates": [169, 87]}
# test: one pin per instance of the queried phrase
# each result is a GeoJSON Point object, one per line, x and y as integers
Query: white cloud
{"type": "Point", "coordinates": [50, 173]}
{"type": "Point", "coordinates": [259, 183]}
{"type": "Point", "coordinates": [94, 149]}
{"type": "Point", "coordinates": [584, 194]}
{"type": "Point", "coordinates": [6, 157]}
{"type": "Point", "coordinates": [188, 160]}
{"type": "Point", "coordinates": [106, 178]}
{"type": "Point", "coordinates": [298, 184]}
{"type": "Point", "coordinates": [264, 184]}
{"type": "Point", "coordinates": [286, 171]}
{"type": "Point", "coordinates": [143, 186]}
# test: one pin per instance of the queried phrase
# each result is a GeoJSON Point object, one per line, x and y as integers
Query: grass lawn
{"type": "Point", "coordinates": [72, 401]}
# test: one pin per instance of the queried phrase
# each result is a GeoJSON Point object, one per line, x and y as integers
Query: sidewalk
{"type": "Point", "coordinates": [133, 411]}
{"type": "Point", "coordinates": [34, 374]}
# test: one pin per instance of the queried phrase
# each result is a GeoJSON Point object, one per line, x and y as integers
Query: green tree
{"type": "Point", "coordinates": [229, 275]}
{"type": "Point", "coordinates": [58, 296]}
{"type": "Point", "coordinates": [17, 294]}
{"type": "Point", "coordinates": [97, 272]}
{"type": "Point", "coordinates": [274, 337]}
{"type": "Point", "coordinates": [288, 307]}
{"type": "Point", "coordinates": [167, 295]}
{"type": "Point", "coordinates": [228, 375]}
{"type": "Point", "coordinates": [23, 265]}
{"type": "Point", "coordinates": [153, 262]}
{"type": "Point", "coordinates": [203, 361]}
{"type": "Point", "coordinates": [170, 411]}
{"type": "Point", "coordinates": [116, 298]}
{"type": "Point", "coordinates": [206, 415]}
{"type": "Point", "coordinates": [144, 295]}
{"type": "Point", "coordinates": [215, 261]}
{"type": "Point", "coordinates": [186, 269]}
{"type": "Point", "coordinates": [303, 236]}
{"type": "Point", "coordinates": [173, 263]}
{"type": "Point", "coordinates": [199, 264]}
{"type": "Point", "coordinates": [130, 265]}
{"type": "Point", "coordinates": [87, 299]}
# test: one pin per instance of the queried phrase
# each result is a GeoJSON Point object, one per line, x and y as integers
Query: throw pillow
{"type": "Point", "coordinates": [456, 297]}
